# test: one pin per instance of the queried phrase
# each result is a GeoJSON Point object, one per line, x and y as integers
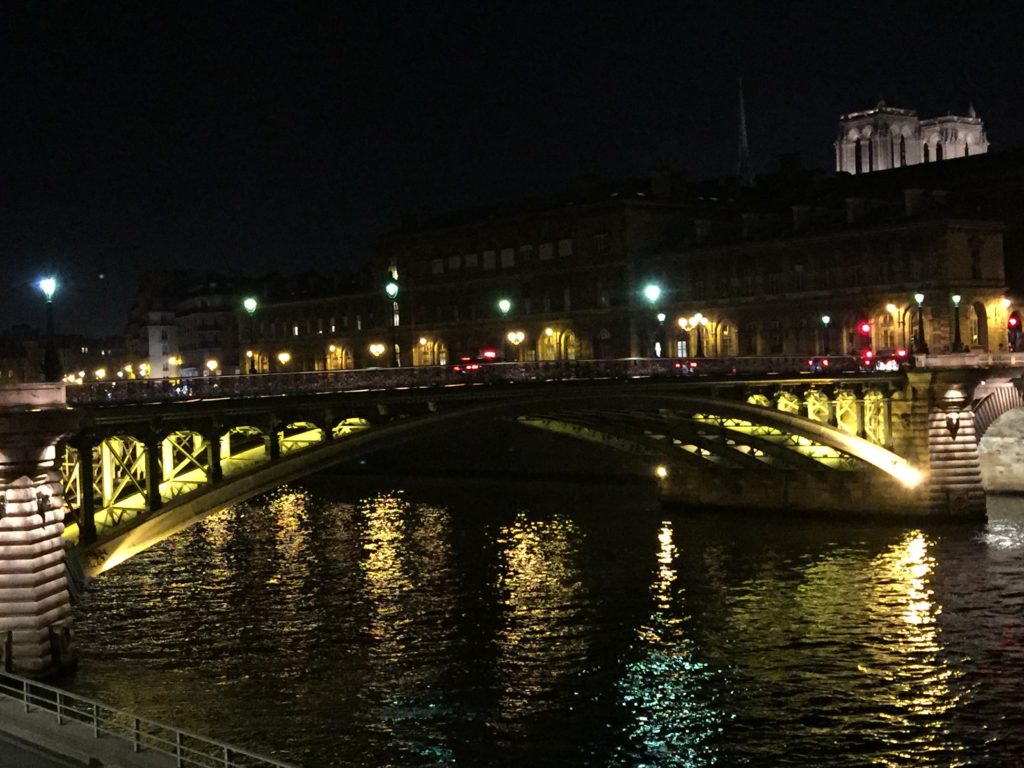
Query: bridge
{"type": "Point", "coordinates": [107, 470]}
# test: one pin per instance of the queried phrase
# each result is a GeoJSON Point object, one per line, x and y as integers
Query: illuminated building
{"type": "Point", "coordinates": [885, 137]}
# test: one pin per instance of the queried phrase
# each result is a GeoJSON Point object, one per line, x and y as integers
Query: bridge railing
{"type": "Point", "coordinates": [90, 716]}
{"type": "Point", "coordinates": [376, 379]}
{"type": "Point", "coordinates": [971, 360]}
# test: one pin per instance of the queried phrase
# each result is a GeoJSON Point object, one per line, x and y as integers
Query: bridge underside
{"type": "Point", "coordinates": [712, 453]}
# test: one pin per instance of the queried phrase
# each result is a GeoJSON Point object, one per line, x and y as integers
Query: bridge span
{"type": "Point", "coordinates": [109, 470]}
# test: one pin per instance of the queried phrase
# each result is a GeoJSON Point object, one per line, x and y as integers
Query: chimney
{"type": "Point", "coordinates": [854, 209]}
{"type": "Point", "coordinates": [702, 230]}
{"type": "Point", "coordinates": [801, 217]}
{"type": "Point", "coordinates": [913, 202]}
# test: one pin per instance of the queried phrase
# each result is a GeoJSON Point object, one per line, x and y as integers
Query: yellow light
{"type": "Point", "coordinates": [81, 374]}
{"type": "Point", "coordinates": [128, 368]}
{"type": "Point", "coordinates": [423, 341]}
{"type": "Point", "coordinates": [661, 471]}
{"type": "Point", "coordinates": [516, 337]}
{"type": "Point", "coordinates": [120, 374]}
{"type": "Point", "coordinates": [891, 308]}
{"type": "Point", "coordinates": [549, 331]}
{"type": "Point", "coordinates": [173, 360]}
{"type": "Point", "coordinates": [377, 349]}
{"type": "Point", "coordinates": [1006, 303]}
{"type": "Point", "coordinates": [284, 357]}
{"type": "Point", "coordinates": [683, 323]}
{"type": "Point", "coordinates": [332, 349]}
{"type": "Point", "coordinates": [100, 373]}
{"type": "Point", "coordinates": [211, 364]}
{"type": "Point", "coordinates": [248, 353]}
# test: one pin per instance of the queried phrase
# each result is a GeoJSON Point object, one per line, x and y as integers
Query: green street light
{"type": "Point", "coordinates": [504, 305]}
{"type": "Point", "coordinates": [51, 361]}
{"type": "Point", "coordinates": [391, 289]}
{"type": "Point", "coordinates": [652, 292]}
{"type": "Point", "coordinates": [250, 305]}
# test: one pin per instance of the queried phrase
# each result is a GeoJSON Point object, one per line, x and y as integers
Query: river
{"type": "Point", "coordinates": [349, 621]}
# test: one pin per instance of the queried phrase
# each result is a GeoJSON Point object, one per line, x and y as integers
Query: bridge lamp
{"type": "Point", "coordinates": [250, 305]}
{"type": "Point", "coordinates": [661, 317]}
{"type": "Point", "coordinates": [920, 346]}
{"type": "Point", "coordinates": [51, 361]}
{"type": "Point", "coordinates": [212, 365]}
{"type": "Point", "coordinates": [697, 322]}
{"type": "Point", "coordinates": [100, 374]}
{"type": "Point", "coordinates": [377, 349]}
{"type": "Point", "coordinates": [504, 306]}
{"type": "Point", "coordinates": [825, 320]}
{"type": "Point", "coordinates": [284, 357]}
{"type": "Point", "coordinates": [661, 471]}
{"type": "Point", "coordinates": [958, 344]}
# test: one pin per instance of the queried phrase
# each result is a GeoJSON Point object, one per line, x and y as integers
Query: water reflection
{"type": "Point", "coordinates": [409, 587]}
{"type": "Point", "coordinates": [546, 630]}
{"type": "Point", "coordinates": [912, 682]}
{"type": "Point", "coordinates": [674, 720]}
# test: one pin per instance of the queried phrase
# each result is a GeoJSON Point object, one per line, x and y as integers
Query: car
{"type": "Point", "coordinates": [887, 360]}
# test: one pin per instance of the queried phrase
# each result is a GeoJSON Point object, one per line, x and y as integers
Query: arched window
{"type": "Point", "coordinates": [927, 153]}
{"type": "Point", "coordinates": [938, 151]}
{"type": "Point", "coordinates": [857, 157]}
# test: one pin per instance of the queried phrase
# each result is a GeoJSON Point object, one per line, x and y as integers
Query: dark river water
{"type": "Point", "coordinates": [358, 623]}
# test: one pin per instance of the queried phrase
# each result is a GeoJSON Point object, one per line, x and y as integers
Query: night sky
{"type": "Point", "coordinates": [253, 137]}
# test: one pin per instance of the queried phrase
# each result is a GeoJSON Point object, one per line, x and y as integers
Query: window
{"type": "Point", "coordinates": [489, 260]}
{"type": "Point", "coordinates": [163, 335]}
{"type": "Point", "coordinates": [359, 322]}
{"type": "Point", "coordinates": [295, 330]}
{"type": "Point", "coordinates": [565, 247]}
{"type": "Point", "coordinates": [454, 262]}
{"type": "Point", "coordinates": [437, 266]}
{"type": "Point", "coordinates": [508, 258]}
{"type": "Point", "coordinates": [546, 251]}
{"type": "Point", "coordinates": [525, 253]}
{"type": "Point", "coordinates": [601, 244]}
{"type": "Point", "coordinates": [471, 260]}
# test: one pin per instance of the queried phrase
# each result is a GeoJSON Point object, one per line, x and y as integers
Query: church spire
{"type": "Point", "coordinates": [743, 169]}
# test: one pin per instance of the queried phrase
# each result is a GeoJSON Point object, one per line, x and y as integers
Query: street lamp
{"type": "Point", "coordinates": [825, 320]}
{"type": "Point", "coordinates": [920, 345]}
{"type": "Point", "coordinates": [698, 321]}
{"type": "Point", "coordinates": [51, 363]}
{"type": "Point", "coordinates": [391, 291]}
{"type": "Point", "coordinates": [250, 305]}
{"type": "Point", "coordinates": [958, 345]}
{"type": "Point", "coordinates": [504, 306]}
{"type": "Point", "coordinates": [284, 357]}
{"type": "Point", "coordinates": [515, 338]}
{"type": "Point", "coordinates": [652, 292]}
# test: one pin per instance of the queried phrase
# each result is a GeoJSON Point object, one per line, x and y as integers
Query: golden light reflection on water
{"type": "Point", "coordinates": [544, 637]}
{"type": "Point", "coordinates": [673, 718]}
{"type": "Point", "coordinates": [408, 584]}
{"type": "Point", "coordinates": [916, 677]}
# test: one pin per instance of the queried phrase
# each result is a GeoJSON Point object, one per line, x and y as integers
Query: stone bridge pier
{"type": "Point", "coordinates": [35, 607]}
{"type": "Point", "coordinates": [937, 425]}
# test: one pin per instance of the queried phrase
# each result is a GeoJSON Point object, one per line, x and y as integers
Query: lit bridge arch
{"type": "Point", "coordinates": [155, 470]}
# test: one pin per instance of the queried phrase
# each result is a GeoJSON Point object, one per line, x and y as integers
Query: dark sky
{"type": "Point", "coordinates": [249, 137]}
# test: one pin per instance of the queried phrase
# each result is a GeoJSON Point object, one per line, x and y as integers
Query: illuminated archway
{"type": "Point", "coordinates": [339, 358]}
{"type": "Point", "coordinates": [299, 435]}
{"type": "Point", "coordinates": [241, 448]}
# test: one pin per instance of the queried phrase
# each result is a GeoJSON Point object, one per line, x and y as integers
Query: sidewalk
{"type": "Point", "coordinates": [73, 743]}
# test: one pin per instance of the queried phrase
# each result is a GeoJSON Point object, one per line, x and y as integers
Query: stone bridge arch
{"type": "Point", "coordinates": [1001, 453]}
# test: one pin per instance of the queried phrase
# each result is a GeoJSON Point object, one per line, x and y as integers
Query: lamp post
{"type": "Point", "coordinates": [391, 291]}
{"type": "Point", "coordinates": [958, 345]}
{"type": "Point", "coordinates": [250, 305]}
{"type": "Point", "coordinates": [698, 322]}
{"type": "Point", "coordinates": [51, 362]}
{"type": "Point", "coordinates": [825, 320]}
{"type": "Point", "coordinates": [652, 292]}
{"type": "Point", "coordinates": [920, 346]}
{"type": "Point", "coordinates": [516, 338]}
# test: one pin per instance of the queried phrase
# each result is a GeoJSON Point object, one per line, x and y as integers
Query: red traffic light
{"type": "Point", "coordinates": [864, 328]}
{"type": "Point", "coordinates": [1012, 322]}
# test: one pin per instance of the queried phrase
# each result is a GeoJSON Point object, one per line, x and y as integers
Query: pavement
{"type": "Point", "coordinates": [34, 740]}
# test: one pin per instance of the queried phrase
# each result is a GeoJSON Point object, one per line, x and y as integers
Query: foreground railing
{"type": "Point", "coordinates": [313, 382]}
{"type": "Point", "coordinates": [186, 749]}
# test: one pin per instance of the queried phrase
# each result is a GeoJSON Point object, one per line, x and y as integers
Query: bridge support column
{"type": "Point", "coordinates": [938, 434]}
{"type": "Point", "coordinates": [215, 471]}
{"type": "Point", "coordinates": [35, 606]}
{"type": "Point", "coordinates": [154, 473]}
{"type": "Point", "coordinates": [273, 444]}
{"type": "Point", "coordinates": [87, 480]}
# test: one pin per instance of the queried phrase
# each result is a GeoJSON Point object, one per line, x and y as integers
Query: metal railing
{"type": "Point", "coordinates": [186, 749]}
{"type": "Point", "coordinates": [315, 382]}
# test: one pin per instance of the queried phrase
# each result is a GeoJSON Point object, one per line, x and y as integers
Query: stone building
{"type": "Point", "coordinates": [885, 137]}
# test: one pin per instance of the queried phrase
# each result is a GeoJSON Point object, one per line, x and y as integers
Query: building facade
{"type": "Point", "coordinates": [885, 137]}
